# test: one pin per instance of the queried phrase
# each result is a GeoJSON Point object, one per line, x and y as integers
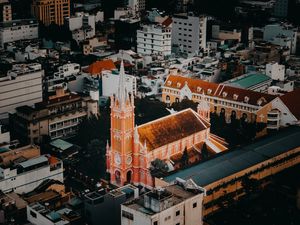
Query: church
{"type": "Point", "coordinates": [133, 148]}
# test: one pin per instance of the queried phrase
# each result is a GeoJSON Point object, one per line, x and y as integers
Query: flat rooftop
{"type": "Point", "coordinates": [174, 193]}
{"type": "Point", "coordinates": [249, 80]}
{"type": "Point", "coordinates": [239, 159]}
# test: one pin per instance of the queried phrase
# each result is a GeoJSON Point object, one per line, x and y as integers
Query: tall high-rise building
{"type": "Point", "coordinates": [189, 32]}
{"type": "Point", "coordinates": [5, 11]}
{"type": "Point", "coordinates": [51, 11]}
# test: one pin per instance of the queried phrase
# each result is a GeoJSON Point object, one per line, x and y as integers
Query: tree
{"type": "Point", "coordinates": [204, 151]}
{"type": "Point", "coordinates": [184, 158]}
{"type": "Point", "coordinates": [158, 168]}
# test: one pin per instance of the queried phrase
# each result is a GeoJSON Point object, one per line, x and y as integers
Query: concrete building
{"type": "Point", "coordinates": [154, 39]}
{"type": "Point", "coordinates": [137, 6]}
{"type": "Point", "coordinates": [16, 30]}
{"type": "Point", "coordinates": [40, 214]}
{"type": "Point", "coordinates": [106, 206]}
{"type": "Point", "coordinates": [189, 32]}
{"type": "Point", "coordinates": [51, 11]}
{"type": "Point", "coordinates": [276, 71]}
{"type": "Point", "coordinates": [23, 169]}
{"type": "Point", "coordinates": [5, 11]}
{"type": "Point", "coordinates": [110, 81]}
{"type": "Point", "coordinates": [59, 117]}
{"type": "Point", "coordinates": [21, 86]}
{"type": "Point", "coordinates": [125, 33]}
{"type": "Point", "coordinates": [174, 204]}
{"type": "Point", "coordinates": [224, 33]}
{"type": "Point", "coordinates": [273, 30]}
{"type": "Point", "coordinates": [82, 26]}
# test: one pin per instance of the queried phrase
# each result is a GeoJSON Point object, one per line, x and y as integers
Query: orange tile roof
{"type": "Point", "coordinates": [171, 128]}
{"type": "Point", "coordinates": [97, 67]}
{"type": "Point", "coordinates": [291, 100]}
{"type": "Point", "coordinates": [218, 90]}
{"type": "Point", "coordinates": [167, 22]}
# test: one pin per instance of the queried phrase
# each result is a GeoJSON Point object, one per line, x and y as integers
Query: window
{"type": "Point", "coordinates": [33, 214]}
{"type": "Point", "coordinates": [194, 204]}
{"type": "Point", "coordinates": [127, 215]}
{"type": "Point", "coordinates": [178, 213]}
{"type": "Point", "coordinates": [155, 223]}
{"type": "Point", "coordinates": [177, 223]}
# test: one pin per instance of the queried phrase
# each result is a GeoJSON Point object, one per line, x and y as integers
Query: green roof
{"type": "Point", "coordinates": [242, 158]}
{"type": "Point", "coordinates": [249, 80]}
{"type": "Point", "coordinates": [61, 144]}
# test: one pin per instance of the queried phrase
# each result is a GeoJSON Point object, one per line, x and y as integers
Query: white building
{"type": "Point", "coordinates": [172, 205]}
{"type": "Point", "coordinates": [110, 82]}
{"type": "Point", "coordinates": [275, 71]}
{"type": "Point", "coordinates": [189, 32]}
{"type": "Point", "coordinates": [154, 39]}
{"type": "Point", "coordinates": [16, 30]}
{"type": "Point", "coordinates": [137, 5]}
{"type": "Point", "coordinates": [272, 31]}
{"type": "Point", "coordinates": [21, 86]}
{"type": "Point", "coordinates": [39, 214]}
{"type": "Point", "coordinates": [82, 26]}
{"type": "Point", "coordinates": [22, 176]}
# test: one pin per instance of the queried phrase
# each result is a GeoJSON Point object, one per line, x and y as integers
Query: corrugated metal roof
{"type": "Point", "coordinates": [61, 144]}
{"type": "Point", "coordinates": [34, 161]}
{"type": "Point", "coordinates": [233, 161]}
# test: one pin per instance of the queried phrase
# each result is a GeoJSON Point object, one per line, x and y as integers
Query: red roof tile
{"type": "Point", "coordinates": [292, 101]}
{"type": "Point", "coordinates": [218, 90]}
{"type": "Point", "coordinates": [97, 67]}
{"type": "Point", "coordinates": [171, 128]}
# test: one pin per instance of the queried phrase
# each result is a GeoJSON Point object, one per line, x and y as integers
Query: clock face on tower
{"type": "Point", "coordinates": [129, 160]}
{"type": "Point", "coordinates": [117, 159]}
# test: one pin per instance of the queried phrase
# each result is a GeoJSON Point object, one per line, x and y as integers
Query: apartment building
{"type": "Point", "coordinates": [59, 117]}
{"type": "Point", "coordinates": [172, 205]}
{"type": "Point", "coordinates": [189, 32]}
{"type": "Point", "coordinates": [51, 11]}
{"type": "Point", "coordinates": [271, 31]}
{"type": "Point", "coordinates": [21, 86]}
{"type": "Point", "coordinates": [5, 11]}
{"type": "Point", "coordinates": [23, 169]}
{"type": "Point", "coordinates": [16, 30]}
{"type": "Point", "coordinates": [154, 39]}
{"type": "Point", "coordinates": [82, 26]}
{"type": "Point", "coordinates": [221, 98]}
{"type": "Point", "coordinates": [136, 5]}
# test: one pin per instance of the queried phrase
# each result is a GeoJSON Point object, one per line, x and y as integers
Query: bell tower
{"type": "Point", "coordinates": [120, 152]}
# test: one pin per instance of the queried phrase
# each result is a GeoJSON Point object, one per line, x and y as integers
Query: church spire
{"type": "Point", "coordinates": [122, 93]}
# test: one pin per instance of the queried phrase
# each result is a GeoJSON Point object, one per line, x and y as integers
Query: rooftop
{"type": "Point", "coordinates": [174, 194]}
{"type": "Point", "coordinates": [231, 162]}
{"type": "Point", "coordinates": [171, 128]}
{"type": "Point", "coordinates": [249, 80]}
{"type": "Point", "coordinates": [291, 100]}
{"type": "Point", "coordinates": [61, 144]}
